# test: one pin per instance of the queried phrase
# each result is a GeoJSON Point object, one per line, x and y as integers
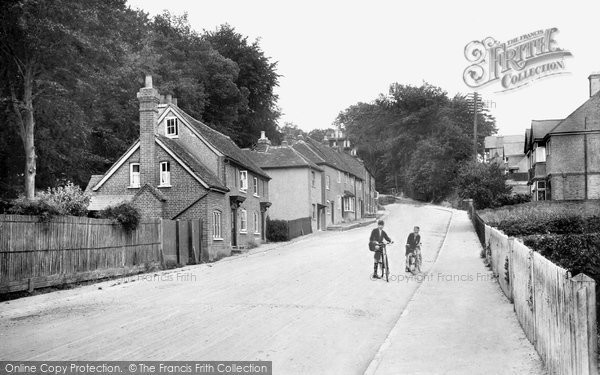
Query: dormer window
{"type": "Point", "coordinates": [172, 127]}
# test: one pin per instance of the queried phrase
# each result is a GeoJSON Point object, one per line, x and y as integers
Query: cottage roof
{"type": "Point", "coordinates": [577, 120]}
{"type": "Point", "coordinates": [94, 179]}
{"type": "Point", "coordinates": [193, 163]}
{"type": "Point", "coordinates": [281, 157]}
{"type": "Point", "coordinates": [100, 202]}
{"type": "Point", "coordinates": [221, 142]}
{"type": "Point", "coordinates": [538, 130]}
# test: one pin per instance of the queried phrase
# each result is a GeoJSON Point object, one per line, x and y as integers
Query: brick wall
{"type": "Point", "coordinates": [149, 205]}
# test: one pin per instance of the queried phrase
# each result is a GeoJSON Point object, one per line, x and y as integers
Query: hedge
{"type": "Point", "coordinates": [559, 225]}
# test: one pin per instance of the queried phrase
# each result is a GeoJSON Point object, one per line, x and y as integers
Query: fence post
{"type": "Point", "coordinates": [511, 246]}
{"type": "Point", "coordinates": [584, 291]}
{"type": "Point", "coordinates": [161, 238]}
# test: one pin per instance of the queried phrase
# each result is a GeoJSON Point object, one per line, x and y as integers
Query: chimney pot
{"type": "Point", "coordinates": [174, 101]}
{"type": "Point", "coordinates": [148, 81]}
{"type": "Point", "coordinates": [262, 134]}
{"type": "Point", "coordinates": [169, 98]}
{"type": "Point", "coordinates": [594, 79]}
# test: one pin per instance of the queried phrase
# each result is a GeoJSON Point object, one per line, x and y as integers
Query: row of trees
{"type": "Point", "coordinates": [416, 139]}
{"type": "Point", "coordinates": [69, 72]}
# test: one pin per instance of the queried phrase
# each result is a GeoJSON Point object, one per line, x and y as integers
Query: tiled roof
{"type": "Point", "coordinates": [540, 128]}
{"type": "Point", "coordinates": [574, 122]}
{"type": "Point", "coordinates": [323, 154]}
{"type": "Point", "coordinates": [280, 157]}
{"type": "Point", "coordinates": [93, 181]}
{"type": "Point", "coordinates": [221, 142]}
{"type": "Point", "coordinates": [99, 202]}
{"type": "Point", "coordinates": [193, 163]}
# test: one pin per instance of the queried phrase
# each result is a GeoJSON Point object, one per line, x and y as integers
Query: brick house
{"type": "Point", "coordinates": [292, 175]}
{"type": "Point", "coordinates": [507, 152]}
{"type": "Point", "coordinates": [180, 168]}
{"type": "Point", "coordinates": [564, 155]}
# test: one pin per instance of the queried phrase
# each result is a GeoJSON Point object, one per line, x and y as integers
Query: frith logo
{"type": "Point", "coordinates": [515, 63]}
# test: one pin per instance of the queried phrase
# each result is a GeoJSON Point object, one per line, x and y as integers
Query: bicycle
{"type": "Point", "coordinates": [415, 260]}
{"type": "Point", "coordinates": [385, 268]}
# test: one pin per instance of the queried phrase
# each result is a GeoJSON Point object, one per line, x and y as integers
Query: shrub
{"type": "Point", "coordinates": [511, 199]}
{"type": "Point", "coordinates": [574, 252]}
{"type": "Point", "coordinates": [386, 199]}
{"type": "Point", "coordinates": [570, 224]}
{"type": "Point", "coordinates": [484, 183]}
{"type": "Point", "coordinates": [124, 214]}
{"type": "Point", "coordinates": [36, 207]}
{"type": "Point", "coordinates": [68, 199]}
{"type": "Point", "coordinates": [58, 201]}
{"type": "Point", "coordinates": [277, 230]}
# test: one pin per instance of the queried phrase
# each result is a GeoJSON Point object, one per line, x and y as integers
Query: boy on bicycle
{"type": "Point", "coordinates": [412, 243]}
{"type": "Point", "coordinates": [377, 236]}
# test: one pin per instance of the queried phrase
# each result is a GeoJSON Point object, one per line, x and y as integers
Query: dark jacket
{"type": "Point", "coordinates": [376, 238]}
{"type": "Point", "coordinates": [413, 240]}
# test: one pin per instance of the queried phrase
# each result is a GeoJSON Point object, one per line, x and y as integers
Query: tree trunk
{"type": "Point", "coordinates": [24, 112]}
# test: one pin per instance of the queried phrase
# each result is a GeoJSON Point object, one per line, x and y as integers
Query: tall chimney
{"type": "Point", "coordinates": [149, 100]}
{"type": "Point", "coordinates": [263, 143]}
{"type": "Point", "coordinates": [594, 79]}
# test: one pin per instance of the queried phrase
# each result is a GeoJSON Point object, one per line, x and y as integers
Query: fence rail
{"type": "Point", "coordinates": [556, 311]}
{"type": "Point", "coordinates": [36, 254]}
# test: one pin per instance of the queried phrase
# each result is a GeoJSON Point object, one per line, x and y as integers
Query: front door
{"type": "Point", "coordinates": [233, 227]}
{"type": "Point", "coordinates": [332, 213]}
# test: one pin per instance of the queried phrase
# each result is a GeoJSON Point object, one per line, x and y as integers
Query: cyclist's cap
{"type": "Point", "coordinates": [380, 222]}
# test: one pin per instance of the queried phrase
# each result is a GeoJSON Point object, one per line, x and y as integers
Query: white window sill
{"type": "Point", "coordinates": [244, 232]}
{"type": "Point", "coordinates": [243, 191]}
{"type": "Point", "coordinates": [218, 239]}
{"type": "Point", "coordinates": [256, 195]}
{"type": "Point", "coordinates": [172, 135]}
{"type": "Point", "coordinates": [257, 233]}
{"type": "Point", "coordinates": [133, 187]}
{"type": "Point", "coordinates": [164, 186]}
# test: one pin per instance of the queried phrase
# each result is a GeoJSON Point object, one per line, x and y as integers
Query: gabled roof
{"type": "Point", "coordinates": [193, 163]}
{"type": "Point", "coordinates": [538, 130]}
{"type": "Point", "coordinates": [94, 179]}
{"type": "Point", "coordinates": [574, 121]}
{"type": "Point", "coordinates": [321, 154]}
{"type": "Point", "coordinates": [181, 154]}
{"type": "Point", "coordinates": [280, 157]}
{"type": "Point", "coordinates": [219, 141]}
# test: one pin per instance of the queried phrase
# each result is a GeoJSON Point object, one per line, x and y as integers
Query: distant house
{"type": "Point", "coordinates": [564, 155]}
{"type": "Point", "coordinates": [296, 183]}
{"type": "Point", "coordinates": [180, 168]}
{"type": "Point", "coordinates": [507, 153]}
{"type": "Point", "coordinates": [325, 182]}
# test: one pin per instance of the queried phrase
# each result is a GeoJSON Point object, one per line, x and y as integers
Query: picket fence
{"type": "Point", "coordinates": [64, 250]}
{"type": "Point", "coordinates": [556, 311]}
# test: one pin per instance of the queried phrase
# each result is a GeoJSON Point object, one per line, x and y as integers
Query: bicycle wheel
{"type": "Point", "coordinates": [418, 262]}
{"type": "Point", "coordinates": [387, 269]}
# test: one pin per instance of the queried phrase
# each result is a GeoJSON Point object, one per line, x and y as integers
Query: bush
{"type": "Point", "coordinates": [511, 199]}
{"type": "Point", "coordinates": [571, 224]}
{"type": "Point", "coordinates": [484, 183]}
{"type": "Point", "coordinates": [36, 207]}
{"type": "Point", "coordinates": [59, 201]}
{"type": "Point", "coordinates": [124, 214]}
{"type": "Point", "coordinates": [574, 252]}
{"type": "Point", "coordinates": [386, 199]}
{"type": "Point", "coordinates": [277, 230]}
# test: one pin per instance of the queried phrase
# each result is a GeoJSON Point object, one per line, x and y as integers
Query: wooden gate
{"type": "Point", "coordinates": [181, 241]}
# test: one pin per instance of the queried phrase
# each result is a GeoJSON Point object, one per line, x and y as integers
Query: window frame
{"type": "Point", "coordinates": [255, 186]}
{"type": "Point", "coordinates": [243, 221]}
{"type": "Point", "coordinates": [256, 223]}
{"type": "Point", "coordinates": [176, 127]}
{"type": "Point", "coordinates": [217, 226]}
{"type": "Point", "coordinates": [167, 173]}
{"type": "Point", "coordinates": [327, 182]}
{"type": "Point", "coordinates": [243, 174]}
{"type": "Point", "coordinates": [131, 175]}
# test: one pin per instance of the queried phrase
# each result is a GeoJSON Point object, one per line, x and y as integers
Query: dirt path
{"type": "Point", "coordinates": [309, 306]}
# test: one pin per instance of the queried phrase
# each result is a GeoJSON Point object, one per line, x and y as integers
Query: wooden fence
{"type": "Point", "coordinates": [36, 254]}
{"type": "Point", "coordinates": [556, 311]}
{"type": "Point", "coordinates": [299, 227]}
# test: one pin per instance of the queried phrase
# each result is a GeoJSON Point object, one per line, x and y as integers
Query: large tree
{"type": "Point", "coordinates": [414, 138]}
{"type": "Point", "coordinates": [48, 49]}
{"type": "Point", "coordinates": [257, 80]}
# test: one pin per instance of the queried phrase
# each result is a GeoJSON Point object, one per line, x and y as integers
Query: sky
{"type": "Point", "coordinates": [333, 54]}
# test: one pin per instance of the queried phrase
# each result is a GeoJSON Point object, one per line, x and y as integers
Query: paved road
{"type": "Point", "coordinates": [308, 306]}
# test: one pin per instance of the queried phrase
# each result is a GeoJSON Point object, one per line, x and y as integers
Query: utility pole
{"type": "Point", "coordinates": [475, 99]}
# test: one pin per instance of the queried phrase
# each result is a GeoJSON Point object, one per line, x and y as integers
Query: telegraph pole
{"type": "Point", "coordinates": [475, 100]}
{"type": "Point", "coordinates": [475, 110]}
